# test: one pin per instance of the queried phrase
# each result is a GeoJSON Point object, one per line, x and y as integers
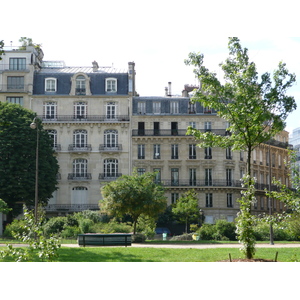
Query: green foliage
{"type": "Point", "coordinates": [186, 208]}
{"type": "Point", "coordinates": [133, 195]}
{"type": "Point", "coordinates": [138, 238]}
{"type": "Point", "coordinates": [245, 221]}
{"type": "Point", "coordinates": [55, 225]}
{"type": "Point", "coordinates": [4, 207]}
{"type": "Point", "coordinates": [32, 234]}
{"type": "Point", "coordinates": [112, 227]}
{"type": "Point", "coordinates": [28, 42]}
{"type": "Point", "coordinates": [1, 48]}
{"type": "Point", "coordinates": [18, 158]}
{"type": "Point", "coordinates": [15, 227]}
{"type": "Point", "coordinates": [182, 237]}
{"type": "Point", "coordinates": [146, 225]}
{"type": "Point", "coordinates": [85, 225]}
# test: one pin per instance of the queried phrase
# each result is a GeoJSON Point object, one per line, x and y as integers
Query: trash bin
{"type": "Point", "coordinates": [164, 235]}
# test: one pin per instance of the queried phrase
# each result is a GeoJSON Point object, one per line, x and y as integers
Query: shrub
{"type": "Point", "coordinates": [207, 232]}
{"type": "Point", "coordinates": [138, 238]}
{"type": "Point", "coordinates": [54, 225]}
{"type": "Point", "coordinates": [183, 237]}
{"type": "Point", "coordinates": [85, 225]}
{"type": "Point", "coordinates": [226, 230]}
{"type": "Point", "coordinates": [70, 232]}
{"type": "Point", "coordinates": [16, 226]}
{"type": "Point", "coordinates": [90, 215]}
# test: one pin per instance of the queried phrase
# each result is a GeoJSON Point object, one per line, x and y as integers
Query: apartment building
{"type": "Point", "coordinates": [102, 130]}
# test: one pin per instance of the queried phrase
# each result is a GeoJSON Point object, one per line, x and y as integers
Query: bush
{"type": "Point", "coordinates": [138, 238]}
{"type": "Point", "coordinates": [70, 232]}
{"type": "Point", "coordinates": [183, 237]}
{"type": "Point", "coordinates": [226, 230]}
{"type": "Point", "coordinates": [90, 215]}
{"type": "Point", "coordinates": [207, 232]}
{"type": "Point", "coordinates": [54, 225]}
{"type": "Point", "coordinates": [14, 226]}
{"type": "Point", "coordinates": [112, 227]}
{"type": "Point", "coordinates": [85, 225]}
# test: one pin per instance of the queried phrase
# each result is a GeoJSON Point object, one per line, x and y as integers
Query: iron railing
{"type": "Point", "coordinates": [84, 118]}
{"type": "Point", "coordinates": [79, 176]}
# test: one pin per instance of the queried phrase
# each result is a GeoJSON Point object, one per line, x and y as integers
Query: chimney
{"type": "Point", "coordinates": [170, 92]}
{"type": "Point", "coordinates": [166, 91]}
{"type": "Point", "coordinates": [95, 66]}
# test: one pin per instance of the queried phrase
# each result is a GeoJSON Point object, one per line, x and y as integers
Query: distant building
{"type": "Point", "coordinates": [101, 130]}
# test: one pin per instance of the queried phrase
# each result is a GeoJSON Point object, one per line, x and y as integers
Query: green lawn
{"type": "Point", "coordinates": [132, 254]}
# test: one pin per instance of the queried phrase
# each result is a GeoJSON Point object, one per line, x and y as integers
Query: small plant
{"type": "Point", "coordinates": [46, 248]}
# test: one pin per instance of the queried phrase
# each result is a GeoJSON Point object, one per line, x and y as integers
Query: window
{"type": "Point", "coordinates": [141, 151]}
{"type": "Point", "coordinates": [80, 85]}
{"type": "Point", "coordinates": [15, 100]}
{"type": "Point", "coordinates": [174, 176]}
{"type": "Point", "coordinates": [79, 195]}
{"type": "Point", "coordinates": [192, 124]}
{"type": "Point", "coordinates": [50, 110]}
{"type": "Point", "coordinates": [207, 126]}
{"type": "Point", "coordinates": [15, 83]}
{"type": "Point", "coordinates": [174, 128]}
{"type": "Point", "coordinates": [17, 64]}
{"type": "Point", "coordinates": [229, 200]}
{"type": "Point", "coordinates": [141, 108]}
{"type": "Point", "coordinates": [110, 168]}
{"type": "Point", "coordinates": [242, 155]}
{"type": "Point", "coordinates": [80, 110]}
{"type": "Point", "coordinates": [53, 135]}
{"type": "Point", "coordinates": [156, 151]}
{"type": "Point", "coordinates": [174, 107]}
{"type": "Point", "coordinates": [80, 138]}
{"type": "Point", "coordinates": [110, 138]}
{"type": "Point", "coordinates": [174, 197]}
{"type": "Point", "coordinates": [193, 177]}
{"type": "Point", "coordinates": [50, 84]}
{"type": "Point", "coordinates": [111, 85]}
{"type": "Point", "coordinates": [141, 128]}
{"type": "Point", "coordinates": [157, 179]}
{"type": "Point", "coordinates": [208, 177]}
{"type": "Point", "coordinates": [192, 152]}
{"type": "Point", "coordinates": [229, 177]}
{"type": "Point", "coordinates": [208, 153]}
{"type": "Point", "coordinates": [141, 171]}
{"type": "Point", "coordinates": [156, 128]}
{"type": "Point", "coordinates": [228, 153]}
{"type": "Point", "coordinates": [209, 200]}
{"type": "Point", "coordinates": [174, 151]}
{"type": "Point", "coordinates": [207, 110]}
{"type": "Point", "coordinates": [80, 167]}
{"type": "Point", "coordinates": [111, 110]}
{"type": "Point", "coordinates": [156, 107]}
{"type": "Point", "coordinates": [192, 108]}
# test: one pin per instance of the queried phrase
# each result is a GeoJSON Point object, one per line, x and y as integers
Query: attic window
{"type": "Point", "coordinates": [50, 84]}
{"type": "Point", "coordinates": [111, 85]}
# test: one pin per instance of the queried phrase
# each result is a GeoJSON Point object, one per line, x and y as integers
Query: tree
{"type": "Point", "coordinates": [255, 109]}
{"type": "Point", "coordinates": [1, 48]}
{"type": "Point", "coordinates": [133, 195]}
{"type": "Point", "coordinates": [186, 208]}
{"type": "Point", "coordinates": [4, 208]}
{"type": "Point", "coordinates": [28, 42]}
{"type": "Point", "coordinates": [18, 158]}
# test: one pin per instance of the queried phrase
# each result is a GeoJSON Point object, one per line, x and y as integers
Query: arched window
{"type": "Point", "coordinates": [79, 195]}
{"type": "Point", "coordinates": [110, 168]}
{"type": "Point", "coordinates": [110, 138]}
{"type": "Point", "coordinates": [53, 135]}
{"type": "Point", "coordinates": [80, 110]}
{"type": "Point", "coordinates": [80, 138]}
{"type": "Point", "coordinates": [80, 167]}
{"type": "Point", "coordinates": [50, 110]}
{"type": "Point", "coordinates": [80, 85]}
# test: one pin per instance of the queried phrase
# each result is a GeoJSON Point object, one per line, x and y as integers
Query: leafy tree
{"type": "Point", "coordinates": [255, 109]}
{"type": "Point", "coordinates": [4, 208]}
{"type": "Point", "coordinates": [186, 208]}
{"type": "Point", "coordinates": [18, 158]}
{"type": "Point", "coordinates": [28, 42]}
{"type": "Point", "coordinates": [133, 195]}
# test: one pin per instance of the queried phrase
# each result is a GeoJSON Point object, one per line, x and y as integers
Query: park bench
{"type": "Point", "coordinates": [97, 239]}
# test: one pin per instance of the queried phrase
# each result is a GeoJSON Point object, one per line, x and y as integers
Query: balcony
{"type": "Point", "coordinates": [79, 176]}
{"type": "Point", "coordinates": [70, 207]}
{"type": "Point", "coordinates": [80, 148]}
{"type": "Point", "coordinates": [110, 148]}
{"type": "Point", "coordinates": [86, 118]}
{"type": "Point", "coordinates": [109, 176]}
{"type": "Point", "coordinates": [170, 132]}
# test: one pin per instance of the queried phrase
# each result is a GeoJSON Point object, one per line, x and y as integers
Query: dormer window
{"type": "Point", "coordinates": [50, 84]}
{"type": "Point", "coordinates": [111, 85]}
{"type": "Point", "coordinates": [80, 85]}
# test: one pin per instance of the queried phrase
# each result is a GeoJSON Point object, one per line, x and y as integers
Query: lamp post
{"type": "Point", "coordinates": [34, 125]}
{"type": "Point", "coordinates": [270, 200]}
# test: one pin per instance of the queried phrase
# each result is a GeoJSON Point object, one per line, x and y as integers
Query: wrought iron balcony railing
{"type": "Point", "coordinates": [84, 118]}
{"type": "Point", "coordinates": [109, 176]}
{"type": "Point", "coordinates": [107, 147]}
{"type": "Point", "coordinates": [79, 176]}
{"type": "Point", "coordinates": [80, 148]}
{"type": "Point", "coordinates": [169, 132]}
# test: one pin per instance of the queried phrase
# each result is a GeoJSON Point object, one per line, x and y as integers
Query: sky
{"type": "Point", "coordinates": [158, 36]}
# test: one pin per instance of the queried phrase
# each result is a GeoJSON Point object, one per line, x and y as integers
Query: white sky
{"type": "Point", "coordinates": [157, 36]}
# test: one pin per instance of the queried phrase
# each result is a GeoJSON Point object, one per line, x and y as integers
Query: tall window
{"type": "Point", "coordinates": [229, 200]}
{"type": "Point", "coordinates": [192, 108]}
{"type": "Point", "coordinates": [228, 153]}
{"type": "Point", "coordinates": [53, 135]}
{"type": "Point", "coordinates": [80, 138]}
{"type": "Point", "coordinates": [229, 177]}
{"type": "Point", "coordinates": [111, 168]}
{"type": "Point", "coordinates": [208, 153]}
{"type": "Point", "coordinates": [80, 167]}
{"type": "Point", "coordinates": [111, 85]}
{"type": "Point", "coordinates": [80, 85]}
{"type": "Point", "coordinates": [111, 110]}
{"type": "Point", "coordinates": [208, 177]}
{"type": "Point", "coordinates": [174, 176]}
{"type": "Point", "coordinates": [15, 82]}
{"type": "Point", "coordinates": [174, 197]}
{"type": "Point", "coordinates": [157, 175]}
{"type": "Point", "coordinates": [174, 151]}
{"type": "Point", "coordinates": [193, 177]}
{"type": "Point", "coordinates": [209, 200]}
{"type": "Point", "coordinates": [141, 151]}
{"type": "Point", "coordinates": [141, 108]}
{"type": "Point", "coordinates": [15, 100]}
{"type": "Point", "coordinates": [80, 110]}
{"type": "Point", "coordinates": [192, 151]}
{"type": "Point", "coordinates": [111, 138]}
{"type": "Point", "coordinates": [207, 126]}
{"type": "Point", "coordinates": [141, 171]}
{"type": "Point", "coordinates": [17, 64]}
{"type": "Point", "coordinates": [50, 110]}
{"type": "Point", "coordinates": [79, 195]}
{"type": "Point", "coordinates": [156, 151]}
{"type": "Point", "coordinates": [50, 84]}
{"type": "Point", "coordinates": [174, 107]}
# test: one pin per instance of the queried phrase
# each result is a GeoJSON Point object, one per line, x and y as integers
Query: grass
{"type": "Point", "coordinates": [132, 254]}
